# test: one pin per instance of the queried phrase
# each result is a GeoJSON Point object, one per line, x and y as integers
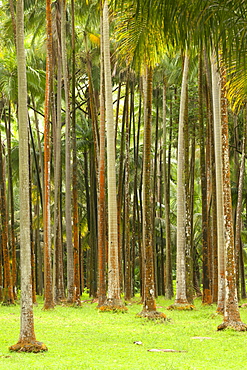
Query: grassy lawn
{"type": "Point", "coordinates": [83, 338]}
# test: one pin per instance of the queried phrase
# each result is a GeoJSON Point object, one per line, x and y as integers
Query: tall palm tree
{"type": "Point", "coordinates": [27, 341]}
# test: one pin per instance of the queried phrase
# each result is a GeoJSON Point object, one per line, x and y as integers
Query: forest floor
{"type": "Point", "coordinates": [84, 338]}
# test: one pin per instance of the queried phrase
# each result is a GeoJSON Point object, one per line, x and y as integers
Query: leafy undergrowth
{"type": "Point", "coordinates": [84, 338]}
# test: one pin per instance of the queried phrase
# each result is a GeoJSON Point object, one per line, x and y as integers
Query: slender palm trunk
{"type": "Point", "coordinates": [8, 294]}
{"type": "Point", "coordinates": [58, 246]}
{"type": "Point", "coordinates": [149, 303]}
{"type": "Point", "coordinates": [166, 170]}
{"type": "Point", "coordinates": [238, 223]}
{"type": "Point", "coordinates": [207, 296]}
{"type": "Point", "coordinates": [181, 268]}
{"type": "Point", "coordinates": [27, 341]}
{"type": "Point", "coordinates": [113, 296]}
{"type": "Point", "coordinates": [188, 181]}
{"type": "Point", "coordinates": [128, 290]}
{"type": "Point", "coordinates": [74, 178]}
{"type": "Point", "coordinates": [11, 205]}
{"type": "Point", "coordinates": [48, 293]}
{"type": "Point", "coordinates": [219, 184]}
{"type": "Point", "coordinates": [101, 190]}
{"type": "Point", "coordinates": [231, 311]}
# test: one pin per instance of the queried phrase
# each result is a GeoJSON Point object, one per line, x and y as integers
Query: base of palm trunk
{"type": "Point", "coordinates": [152, 315]}
{"type": "Point", "coordinates": [33, 346]}
{"type": "Point", "coordinates": [113, 304]}
{"type": "Point", "coordinates": [181, 307]}
{"type": "Point", "coordinates": [235, 325]}
{"type": "Point", "coordinates": [101, 301]}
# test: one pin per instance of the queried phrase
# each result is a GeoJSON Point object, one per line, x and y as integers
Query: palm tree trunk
{"type": "Point", "coordinates": [76, 268]}
{"type": "Point", "coordinates": [27, 341]}
{"type": "Point", "coordinates": [238, 223]}
{"type": "Point", "coordinates": [48, 292]}
{"type": "Point", "coordinates": [181, 268]}
{"type": "Point", "coordinates": [219, 183]}
{"type": "Point", "coordinates": [207, 293]}
{"type": "Point", "coordinates": [188, 180]}
{"type": "Point", "coordinates": [231, 311]}
{"type": "Point", "coordinates": [12, 211]}
{"type": "Point", "coordinates": [8, 294]}
{"type": "Point", "coordinates": [113, 296]}
{"type": "Point", "coordinates": [149, 304]}
{"type": "Point", "coordinates": [127, 285]}
{"type": "Point", "coordinates": [168, 266]}
{"type": "Point", "coordinates": [101, 189]}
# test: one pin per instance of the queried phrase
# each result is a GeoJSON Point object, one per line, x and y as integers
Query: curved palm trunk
{"type": "Point", "coordinates": [181, 268]}
{"type": "Point", "coordinates": [27, 341]}
{"type": "Point", "coordinates": [113, 296]}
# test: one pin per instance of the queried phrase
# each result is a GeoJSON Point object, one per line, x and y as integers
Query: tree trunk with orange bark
{"type": "Point", "coordinates": [8, 294]}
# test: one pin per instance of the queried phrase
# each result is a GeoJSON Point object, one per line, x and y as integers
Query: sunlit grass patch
{"type": "Point", "coordinates": [84, 338]}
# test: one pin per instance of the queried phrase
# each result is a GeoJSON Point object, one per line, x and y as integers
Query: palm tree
{"type": "Point", "coordinates": [27, 341]}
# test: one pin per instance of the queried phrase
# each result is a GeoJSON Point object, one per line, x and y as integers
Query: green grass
{"type": "Point", "coordinates": [83, 338]}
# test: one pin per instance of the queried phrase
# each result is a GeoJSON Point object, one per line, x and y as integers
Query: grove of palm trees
{"type": "Point", "coordinates": [122, 156]}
